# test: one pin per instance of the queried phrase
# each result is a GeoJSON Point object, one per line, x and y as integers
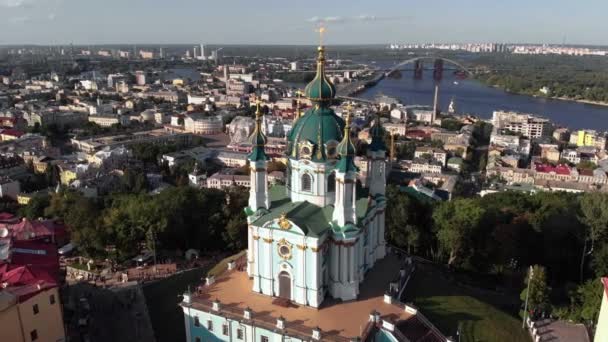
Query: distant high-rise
{"type": "Point", "coordinates": [195, 53]}
{"type": "Point", "coordinates": [202, 51]}
{"type": "Point", "coordinates": [161, 53]}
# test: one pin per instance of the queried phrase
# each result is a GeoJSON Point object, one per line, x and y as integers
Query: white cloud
{"type": "Point", "coordinates": [14, 3]}
{"type": "Point", "coordinates": [19, 20]}
{"type": "Point", "coordinates": [359, 18]}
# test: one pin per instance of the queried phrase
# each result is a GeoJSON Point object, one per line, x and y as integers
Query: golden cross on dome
{"type": "Point", "coordinates": [321, 31]}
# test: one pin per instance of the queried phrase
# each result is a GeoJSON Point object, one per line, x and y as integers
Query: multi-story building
{"type": "Point", "coordinates": [436, 154]}
{"type": "Point", "coordinates": [317, 266]}
{"type": "Point", "coordinates": [232, 159]}
{"type": "Point", "coordinates": [221, 181]}
{"type": "Point", "coordinates": [528, 125]}
{"type": "Point", "coordinates": [59, 118]}
{"type": "Point", "coordinates": [199, 124]}
{"type": "Point", "coordinates": [157, 136]}
{"type": "Point", "coordinates": [420, 165]}
{"type": "Point", "coordinates": [588, 138]}
{"type": "Point", "coordinates": [30, 308]}
{"type": "Point", "coordinates": [109, 120]}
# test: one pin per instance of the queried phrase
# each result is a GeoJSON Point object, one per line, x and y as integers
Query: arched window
{"type": "Point", "coordinates": [306, 182]}
{"type": "Point", "coordinates": [331, 182]}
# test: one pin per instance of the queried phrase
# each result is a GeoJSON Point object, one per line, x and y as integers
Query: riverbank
{"type": "Point", "coordinates": [561, 98]}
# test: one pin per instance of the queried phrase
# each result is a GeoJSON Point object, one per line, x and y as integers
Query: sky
{"type": "Point", "coordinates": [295, 22]}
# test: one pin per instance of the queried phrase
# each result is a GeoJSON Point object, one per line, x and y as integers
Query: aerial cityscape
{"type": "Point", "coordinates": [303, 172]}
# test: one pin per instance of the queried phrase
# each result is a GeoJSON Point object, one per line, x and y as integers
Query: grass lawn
{"type": "Point", "coordinates": [478, 313]}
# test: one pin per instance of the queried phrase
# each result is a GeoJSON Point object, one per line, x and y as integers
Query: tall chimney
{"type": "Point", "coordinates": [435, 104]}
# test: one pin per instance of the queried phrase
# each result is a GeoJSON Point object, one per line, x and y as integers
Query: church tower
{"type": "Point", "coordinates": [346, 178]}
{"type": "Point", "coordinates": [376, 155]}
{"type": "Point", "coordinates": [258, 193]}
{"type": "Point", "coordinates": [377, 173]}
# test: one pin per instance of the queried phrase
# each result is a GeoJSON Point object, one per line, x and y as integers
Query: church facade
{"type": "Point", "coordinates": [319, 234]}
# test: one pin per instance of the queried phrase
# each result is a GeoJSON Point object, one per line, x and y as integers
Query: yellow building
{"type": "Point", "coordinates": [67, 173]}
{"type": "Point", "coordinates": [31, 313]}
{"type": "Point", "coordinates": [601, 333]}
{"type": "Point", "coordinates": [585, 138]}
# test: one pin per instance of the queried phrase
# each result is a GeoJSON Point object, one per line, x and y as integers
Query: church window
{"type": "Point", "coordinates": [306, 182]}
{"type": "Point", "coordinates": [284, 249]}
{"type": "Point", "coordinates": [331, 183]}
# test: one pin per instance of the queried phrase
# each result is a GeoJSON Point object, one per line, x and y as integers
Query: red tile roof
{"type": "Point", "coordinates": [560, 169]}
{"type": "Point", "coordinates": [30, 229]}
{"type": "Point", "coordinates": [12, 132]}
{"type": "Point", "coordinates": [37, 254]}
{"type": "Point", "coordinates": [25, 281]}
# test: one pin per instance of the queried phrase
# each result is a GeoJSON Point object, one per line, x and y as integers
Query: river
{"type": "Point", "coordinates": [473, 97]}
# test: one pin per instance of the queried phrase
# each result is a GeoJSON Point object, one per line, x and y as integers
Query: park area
{"type": "Point", "coordinates": [479, 315]}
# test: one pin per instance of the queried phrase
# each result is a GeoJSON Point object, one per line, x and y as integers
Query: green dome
{"type": "Point", "coordinates": [258, 139]}
{"type": "Point", "coordinates": [317, 127]}
{"type": "Point", "coordinates": [346, 150]}
{"type": "Point", "coordinates": [320, 89]}
{"type": "Point", "coordinates": [377, 133]}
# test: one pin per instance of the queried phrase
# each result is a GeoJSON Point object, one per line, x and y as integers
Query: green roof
{"type": "Point", "coordinates": [258, 139]}
{"type": "Point", "coordinates": [320, 89]}
{"type": "Point", "coordinates": [312, 219]}
{"type": "Point", "coordinates": [317, 126]}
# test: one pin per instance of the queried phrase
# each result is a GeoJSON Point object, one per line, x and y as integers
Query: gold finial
{"type": "Point", "coordinates": [284, 222]}
{"type": "Point", "coordinates": [349, 109]}
{"type": "Point", "coordinates": [258, 112]}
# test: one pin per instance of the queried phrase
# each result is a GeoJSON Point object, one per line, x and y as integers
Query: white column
{"type": "Point", "coordinates": [249, 250]}
{"type": "Point", "coordinates": [343, 264]}
{"type": "Point", "coordinates": [268, 267]}
{"type": "Point", "coordinates": [301, 278]}
{"type": "Point", "coordinates": [256, 266]}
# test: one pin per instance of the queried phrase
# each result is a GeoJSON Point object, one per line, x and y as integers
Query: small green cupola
{"type": "Point", "coordinates": [258, 139]}
{"type": "Point", "coordinates": [346, 149]}
{"type": "Point", "coordinates": [377, 133]}
{"type": "Point", "coordinates": [320, 90]}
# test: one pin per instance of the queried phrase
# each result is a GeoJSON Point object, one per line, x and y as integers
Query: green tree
{"type": "Point", "coordinates": [35, 207]}
{"type": "Point", "coordinates": [538, 299]}
{"type": "Point", "coordinates": [594, 210]}
{"type": "Point", "coordinates": [455, 223]}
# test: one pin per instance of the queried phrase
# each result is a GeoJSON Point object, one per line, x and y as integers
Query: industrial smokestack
{"type": "Point", "coordinates": [435, 104]}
